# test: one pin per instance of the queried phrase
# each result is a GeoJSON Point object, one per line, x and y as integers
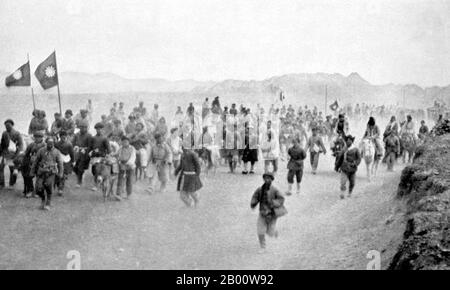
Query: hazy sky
{"type": "Point", "coordinates": [384, 41]}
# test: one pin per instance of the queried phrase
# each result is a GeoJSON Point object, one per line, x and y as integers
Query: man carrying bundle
{"type": "Point", "coordinates": [66, 148]}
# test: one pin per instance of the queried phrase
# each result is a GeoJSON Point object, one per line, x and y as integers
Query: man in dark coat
{"type": "Point", "coordinates": [295, 165]}
{"type": "Point", "coordinates": [189, 180]}
{"type": "Point", "coordinates": [10, 147]}
{"type": "Point", "coordinates": [28, 160]}
{"type": "Point", "coordinates": [47, 165]}
{"type": "Point", "coordinates": [347, 164]}
{"type": "Point", "coordinates": [269, 198]}
{"type": "Point", "coordinates": [82, 143]}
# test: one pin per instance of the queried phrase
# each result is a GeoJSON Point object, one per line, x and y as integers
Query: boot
{"type": "Point", "coordinates": [289, 191]}
{"type": "Point", "coordinates": [262, 241]}
{"type": "Point", "coordinates": [42, 205]}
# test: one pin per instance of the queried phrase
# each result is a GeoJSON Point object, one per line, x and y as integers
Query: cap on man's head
{"type": "Point", "coordinates": [69, 112]}
{"type": "Point", "coordinates": [270, 175]}
{"type": "Point", "coordinates": [62, 133]}
{"type": "Point", "coordinates": [10, 122]}
{"type": "Point", "coordinates": [38, 134]}
{"type": "Point", "coordinates": [125, 138]}
{"type": "Point", "coordinates": [99, 126]}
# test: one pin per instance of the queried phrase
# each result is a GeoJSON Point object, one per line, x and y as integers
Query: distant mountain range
{"type": "Point", "coordinates": [310, 88]}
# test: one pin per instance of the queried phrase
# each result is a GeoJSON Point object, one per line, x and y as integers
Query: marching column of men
{"type": "Point", "coordinates": [148, 149]}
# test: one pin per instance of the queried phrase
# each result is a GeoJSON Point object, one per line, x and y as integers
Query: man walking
{"type": "Point", "coordinates": [315, 146]}
{"type": "Point", "coordinates": [160, 161]}
{"type": "Point", "coordinates": [423, 131]}
{"type": "Point", "coordinates": [295, 165]}
{"type": "Point", "coordinates": [10, 147]}
{"type": "Point", "coordinates": [82, 143]}
{"type": "Point", "coordinates": [28, 160]}
{"type": "Point", "coordinates": [189, 178]}
{"type": "Point", "coordinates": [127, 164]}
{"type": "Point", "coordinates": [347, 164]}
{"type": "Point", "coordinates": [392, 145]}
{"type": "Point", "coordinates": [65, 147]}
{"type": "Point", "coordinates": [47, 165]}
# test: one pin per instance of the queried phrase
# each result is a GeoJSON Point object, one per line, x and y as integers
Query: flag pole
{"type": "Point", "coordinates": [57, 84]}
{"type": "Point", "coordinates": [34, 104]}
{"type": "Point", "coordinates": [326, 99]}
{"type": "Point", "coordinates": [32, 92]}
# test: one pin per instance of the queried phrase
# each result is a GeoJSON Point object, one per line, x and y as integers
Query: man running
{"type": "Point", "coordinates": [269, 198]}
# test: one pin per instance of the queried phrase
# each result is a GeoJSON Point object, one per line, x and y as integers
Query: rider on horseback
{"type": "Point", "coordinates": [408, 129]}
{"type": "Point", "coordinates": [98, 150]}
{"type": "Point", "coordinates": [373, 134]}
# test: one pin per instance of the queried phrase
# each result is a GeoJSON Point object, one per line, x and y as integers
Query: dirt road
{"type": "Point", "coordinates": [158, 232]}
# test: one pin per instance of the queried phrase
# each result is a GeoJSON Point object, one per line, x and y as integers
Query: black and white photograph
{"type": "Point", "coordinates": [219, 135]}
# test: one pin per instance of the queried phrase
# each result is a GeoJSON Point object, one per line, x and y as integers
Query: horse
{"type": "Point", "coordinates": [105, 175]}
{"type": "Point", "coordinates": [105, 170]}
{"type": "Point", "coordinates": [408, 146]}
{"type": "Point", "coordinates": [369, 154]}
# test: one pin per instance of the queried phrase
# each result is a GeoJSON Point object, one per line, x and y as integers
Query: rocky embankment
{"type": "Point", "coordinates": [425, 187]}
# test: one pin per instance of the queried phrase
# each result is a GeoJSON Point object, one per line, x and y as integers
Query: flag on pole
{"type": "Point", "coordinates": [47, 73]}
{"type": "Point", "coordinates": [20, 78]}
{"type": "Point", "coordinates": [334, 106]}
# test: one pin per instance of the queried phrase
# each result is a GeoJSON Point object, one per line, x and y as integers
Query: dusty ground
{"type": "Point", "coordinates": [157, 232]}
